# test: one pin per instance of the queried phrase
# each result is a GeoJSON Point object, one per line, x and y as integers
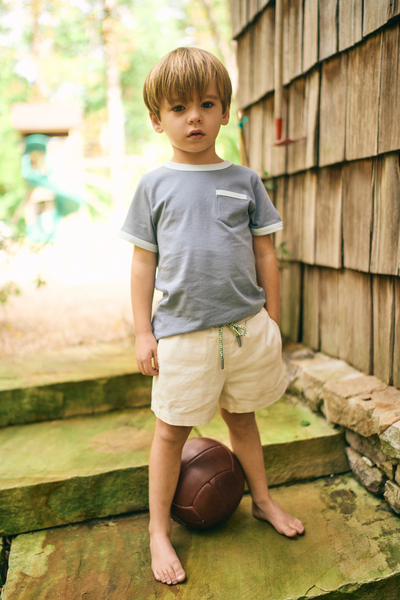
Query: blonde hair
{"type": "Point", "coordinates": [182, 73]}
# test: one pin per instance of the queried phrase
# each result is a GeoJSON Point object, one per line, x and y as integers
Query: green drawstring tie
{"type": "Point", "coordinates": [236, 329]}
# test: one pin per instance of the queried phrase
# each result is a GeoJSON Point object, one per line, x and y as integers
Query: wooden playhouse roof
{"type": "Point", "coordinates": [45, 117]}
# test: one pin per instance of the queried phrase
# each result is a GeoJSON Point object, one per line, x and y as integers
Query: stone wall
{"type": "Point", "coordinates": [367, 408]}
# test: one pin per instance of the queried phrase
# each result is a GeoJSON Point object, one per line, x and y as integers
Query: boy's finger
{"type": "Point", "coordinates": [145, 367]}
{"type": "Point", "coordinates": [155, 358]}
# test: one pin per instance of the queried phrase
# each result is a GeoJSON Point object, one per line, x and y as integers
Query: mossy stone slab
{"type": "Point", "coordinates": [298, 444]}
{"type": "Point", "coordinates": [73, 381]}
{"type": "Point", "coordinates": [3, 562]}
{"type": "Point", "coordinates": [70, 470]}
{"type": "Point", "coordinates": [350, 551]}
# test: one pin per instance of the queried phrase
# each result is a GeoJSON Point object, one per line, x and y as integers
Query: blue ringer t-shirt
{"type": "Point", "coordinates": [200, 219]}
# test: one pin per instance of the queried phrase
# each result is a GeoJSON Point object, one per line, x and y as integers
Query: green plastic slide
{"type": "Point", "coordinates": [66, 201]}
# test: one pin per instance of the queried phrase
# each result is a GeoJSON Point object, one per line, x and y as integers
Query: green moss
{"type": "Point", "coordinates": [338, 558]}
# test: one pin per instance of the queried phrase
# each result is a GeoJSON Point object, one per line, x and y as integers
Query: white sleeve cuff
{"type": "Point", "coordinates": [137, 241]}
{"type": "Point", "coordinates": [267, 230]}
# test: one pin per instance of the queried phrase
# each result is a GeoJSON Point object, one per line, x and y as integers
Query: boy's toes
{"type": "Point", "coordinates": [180, 575]}
{"type": "Point", "coordinates": [171, 578]}
{"type": "Point", "coordinates": [165, 578]}
{"type": "Point", "coordinates": [289, 531]}
{"type": "Point", "coordinates": [298, 526]}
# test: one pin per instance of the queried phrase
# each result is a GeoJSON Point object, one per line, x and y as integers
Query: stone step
{"type": "Point", "coordinates": [350, 551]}
{"type": "Point", "coordinates": [70, 470]}
{"type": "Point", "coordinates": [73, 381]}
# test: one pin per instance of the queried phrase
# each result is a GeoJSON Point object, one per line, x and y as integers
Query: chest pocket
{"type": "Point", "coordinates": [232, 208]}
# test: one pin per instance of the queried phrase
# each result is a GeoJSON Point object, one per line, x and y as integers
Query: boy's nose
{"type": "Point", "coordinates": [194, 116]}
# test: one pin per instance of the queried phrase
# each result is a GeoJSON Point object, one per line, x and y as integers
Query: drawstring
{"type": "Point", "coordinates": [236, 329]}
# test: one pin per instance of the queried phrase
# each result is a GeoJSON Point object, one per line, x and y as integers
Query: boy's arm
{"type": "Point", "coordinates": [143, 271]}
{"type": "Point", "coordinates": [268, 273]}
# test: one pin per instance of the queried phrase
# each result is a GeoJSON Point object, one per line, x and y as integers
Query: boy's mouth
{"type": "Point", "coordinates": [196, 134]}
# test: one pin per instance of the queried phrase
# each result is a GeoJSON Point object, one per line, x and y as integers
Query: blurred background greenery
{"type": "Point", "coordinates": [59, 51]}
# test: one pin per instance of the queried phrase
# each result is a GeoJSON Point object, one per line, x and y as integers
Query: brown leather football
{"type": "Point", "coordinates": [210, 486]}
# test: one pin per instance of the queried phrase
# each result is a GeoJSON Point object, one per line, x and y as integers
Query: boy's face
{"type": "Point", "coordinates": [192, 128]}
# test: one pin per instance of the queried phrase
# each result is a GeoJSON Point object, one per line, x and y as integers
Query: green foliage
{"type": "Point", "coordinates": [8, 289]}
{"type": "Point", "coordinates": [12, 187]}
{"type": "Point", "coordinates": [227, 142]}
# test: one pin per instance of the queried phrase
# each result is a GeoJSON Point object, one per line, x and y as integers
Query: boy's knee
{"type": "Point", "coordinates": [238, 420]}
{"type": "Point", "coordinates": [172, 434]}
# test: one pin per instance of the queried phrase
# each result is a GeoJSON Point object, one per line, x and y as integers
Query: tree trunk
{"type": "Point", "coordinates": [40, 88]}
{"type": "Point", "coordinates": [116, 129]}
{"type": "Point", "coordinates": [226, 50]}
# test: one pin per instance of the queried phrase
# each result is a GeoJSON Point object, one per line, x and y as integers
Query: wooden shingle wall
{"type": "Point", "coordinates": [338, 190]}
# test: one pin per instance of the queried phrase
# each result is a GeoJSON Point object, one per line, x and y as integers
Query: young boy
{"type": "Point", "coordinates": [206, 224]}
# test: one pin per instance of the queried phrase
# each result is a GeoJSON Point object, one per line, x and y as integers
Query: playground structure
{"type": "Point", "coordinates": [52, 165]}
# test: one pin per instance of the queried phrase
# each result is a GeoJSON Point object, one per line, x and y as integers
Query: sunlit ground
{"type": "Point", "coordinates": [85, 297]}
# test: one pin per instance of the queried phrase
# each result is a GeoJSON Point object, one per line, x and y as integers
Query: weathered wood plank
{"type": "Point", "coordinates": [329, 217]}
{"type": "Point", "coordinates": [267, 50]}
{"type": "Point", "coordinates": [308, 217]}
{"type": "Point", "coordinates": [332, 123]}
{"type": "Point", "coordinates": [396, 352]}
{"type": "Point", "coordinates": [350, 23]}
{"type": "Point", "coordinates": [376, 13]}
{"type": "Point", "coordinates": [256, 58]}
{"type": "Point", "coordinates": [263, 3]}
{"type": "Point", "coordinates": [291, 301]}
{"type": "Point", "coordinates": [303, 121]}
{"type": "Point", "coordinates": [253, 8]}
{"type": "Point", "coordinates": [235, 17]}
{"type": "Point", "coordinates": [311, 307]}
{"type": "Point", "coordinates": [394, 9]}
{"type": "Point", "coordinates": [357, 214]}
{"type": "Point", "coordinates": [243, 13]}
{"type": "Point", "coordinates": [312, 104]}
{"type": "Point", "coordinates": [386, 228]}
{"type": "Point", "coordinates": [278, 198]}
{"type": "Point", "coordinates": [292, 38]}
{"type": "Point", "coordinates": [274, 157]}
{"type": "Point", "coordinates": [253, 51]}
{"type": "Point", "coordinates": [296, 124]}
{"type": "Point", "coordinates": [383, 326]}
{"type": "Point", "coordinates": [310, 34]}
{"type": "Point", "coordinates": [363, 76]}
{"type": "Point", "coordinates": [243, 93]}
{"type": "Point", "coordinates": [354, 319]}
{"type": "Point", "coordinates": [389, 125]}
{"type": "Point", "coordinates": [328, 17]}
{"type": "Point", "coordinates": [246, 138]}
{"type": "Point", "coordinates": [328, 325]}
{"type": "Point", "coordinates": [255, 147]}
{"type": "Point", "coordinates": [293, 215]}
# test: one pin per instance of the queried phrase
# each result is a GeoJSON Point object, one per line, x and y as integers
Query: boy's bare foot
{"type": "Point", "coordinates": [283, 522]}
{"type": "Point", "coordinates": [165, 564]}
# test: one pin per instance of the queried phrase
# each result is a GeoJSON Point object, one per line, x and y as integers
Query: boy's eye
{"type": "Point", "coordinates": [178, 108]}
{"type": "Point", "coordinates": [207, 104]}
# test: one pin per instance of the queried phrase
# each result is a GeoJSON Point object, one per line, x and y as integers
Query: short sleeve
{"type": "Point", "coordinates": [264, 218]}
{"type": "Point", "coordinates": [138, 228]}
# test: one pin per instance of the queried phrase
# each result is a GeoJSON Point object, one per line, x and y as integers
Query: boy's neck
{"type": "Point", "coordinates": [208, 157]}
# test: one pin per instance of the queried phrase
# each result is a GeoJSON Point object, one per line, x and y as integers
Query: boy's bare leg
{"type": "Point", "coordinates": [164, 467]}
{"type": "Point", "coordinates": [246, 444]}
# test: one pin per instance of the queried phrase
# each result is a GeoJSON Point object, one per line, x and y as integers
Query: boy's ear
{"type": "Point", "coordinates": [155, 123]}
{"type": "Point", "coordinates": [225, 116]}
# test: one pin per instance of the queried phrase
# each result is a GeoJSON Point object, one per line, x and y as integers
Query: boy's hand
{"type": "Point", "coordinates": [146, 353]}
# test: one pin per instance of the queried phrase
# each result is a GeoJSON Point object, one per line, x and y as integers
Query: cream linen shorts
{"type": "Point", "coordinates": [191, 383]}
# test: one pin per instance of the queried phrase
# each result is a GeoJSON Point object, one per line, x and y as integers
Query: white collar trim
{"type": "Point", "coordinates": [182, 167]}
